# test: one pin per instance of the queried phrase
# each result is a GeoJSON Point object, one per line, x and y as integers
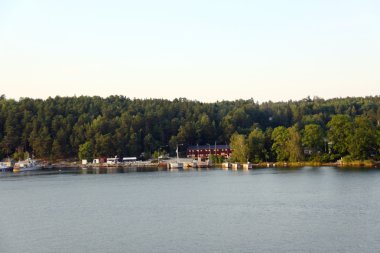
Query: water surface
{"type": "Point", "coordinates": [263, 210]}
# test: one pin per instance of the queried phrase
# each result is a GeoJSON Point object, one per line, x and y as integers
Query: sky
{"type": "Point", "coordinates": [201, 50]}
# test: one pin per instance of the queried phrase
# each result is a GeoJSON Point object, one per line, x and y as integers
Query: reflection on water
{"type": "Point", "coordinates": [78, 171]}
{"type": "Point", "coordinates": [120, 170]}
{"type": "Point", "coordinates": [114, 170]}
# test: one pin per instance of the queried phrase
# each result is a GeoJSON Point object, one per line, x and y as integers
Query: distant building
{"type": "Point", "coordinates": [308, 151]}
{"type": "Point", "coordinates": [112, 160]}
{"type": "Point", "coordinates": [129, 159]}
{"type": "Point", "coordinates": [99, 160]}
{"type": "Point", "coordinates": [207, 150]}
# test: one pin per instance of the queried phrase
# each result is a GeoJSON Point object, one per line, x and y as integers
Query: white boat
{"type": "Point", "coordinates": [203, 163]}
{"type": "Point", "coordinates": [6, 165]}
{"type": "Point", "coordinates": [26, 165]}
{"type": "Point", "coordinates": [177, 164]}
{"type": "Point", "coordinates": [4, 168]}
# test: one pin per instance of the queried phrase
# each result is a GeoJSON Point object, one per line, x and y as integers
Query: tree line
{"type": "Point", "coordinates": [309, 129]}
{"type": "Point", "coordinates": [352, 138]}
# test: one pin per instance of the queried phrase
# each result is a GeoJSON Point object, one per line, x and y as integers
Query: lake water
{"type": "Point", "coordinates": [263, 210]}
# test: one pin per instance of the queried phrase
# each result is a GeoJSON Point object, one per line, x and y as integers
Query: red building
{"type": "Point", "coordinates": [205, 151]}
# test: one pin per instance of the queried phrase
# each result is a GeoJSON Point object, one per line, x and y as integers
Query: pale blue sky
{"type": "Point", "coordinates": [204, 50]}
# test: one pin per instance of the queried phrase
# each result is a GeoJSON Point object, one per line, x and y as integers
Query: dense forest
{"type": "Point", "coordinates": [310, 129]}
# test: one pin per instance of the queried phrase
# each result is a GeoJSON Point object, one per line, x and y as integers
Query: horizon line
{"type": "Point", "coordinates": [313, 98]}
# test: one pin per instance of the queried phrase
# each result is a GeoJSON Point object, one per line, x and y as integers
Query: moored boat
{"type": "Point", "coordinates": [7, 165]}
{"type": "Point", "coordinates": [26, 165]}
{"type": "Point", "coordinates": [176, 165]}
{"type": "Point", "coordinates": [4, 168]}
{"type": "Point", "coordinates": [203, 163]}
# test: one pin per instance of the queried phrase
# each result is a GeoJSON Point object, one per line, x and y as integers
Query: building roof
{"type": "Point", "coordinates": [207, 147]}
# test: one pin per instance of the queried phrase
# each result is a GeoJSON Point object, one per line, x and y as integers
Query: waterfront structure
{"type": "Point", "coordinates": [99, 160]}
{"type": "Point", "coordinates": [207, 150]}
{"type": "Point", "coordinates": [236, 166]}
{"type": "Point", "coordinates": [112, 160]}
{"type": "Point", "coordinates": [129, 159]}
{"type": "Point", "coordinates": [247, 166]}
{"type": "Point", "coordinates": [226, 165]}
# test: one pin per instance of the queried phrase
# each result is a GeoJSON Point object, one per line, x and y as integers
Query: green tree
{"type": "Point", "coordinates": [340, 129]}
{"type": "Point", "coordinates": [41, 142]}
{"type": "Point", "coordinates": [239, 147]}
{"type": "Point", "coordinates": [187, 133]}
{"type": "Point", "coordinates": [256, 145]}
{"type": "Point", "coordinates": [269, 156]}
{"type": "Point", "coordinates": [204, 129]}
{"type": "Point", "coordinates": [148, 144]}
{"type": "Point", "coordinates": [280, 137]}
{"type": "Point", "coordinates": [20, 154]}
{"type": "Point", "coordinates": [11, 139]}
{"type": "Point", "coordinates": [216, 159]}
{"type": "Point", "coordinates": [103, 145]}
{"type": "Point", "coordinates": [134, 145]}
{"type": "Point", "coordinates": [293, 145]}
{"type": "Point", "coordinates": [363, 141]}
{"type": "Point", "coordinates": [86, 151]}
{"type": "Point", "coordinates": [313, 138]}
{"type": "Point", "coordinates": [56, 127]}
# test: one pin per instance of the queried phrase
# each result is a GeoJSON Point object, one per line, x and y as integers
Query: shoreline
{"type": "Point", "coordinates": [356, 164]}
{"type": "Point", "coordinates": [150, 166]}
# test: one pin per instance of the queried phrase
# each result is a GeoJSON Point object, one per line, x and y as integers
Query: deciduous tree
{"type": "Point", "coordinates": [239, 146]}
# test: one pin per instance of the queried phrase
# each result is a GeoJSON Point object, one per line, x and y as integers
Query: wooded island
{"type": "Point", "coordinates": [312, 129]}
